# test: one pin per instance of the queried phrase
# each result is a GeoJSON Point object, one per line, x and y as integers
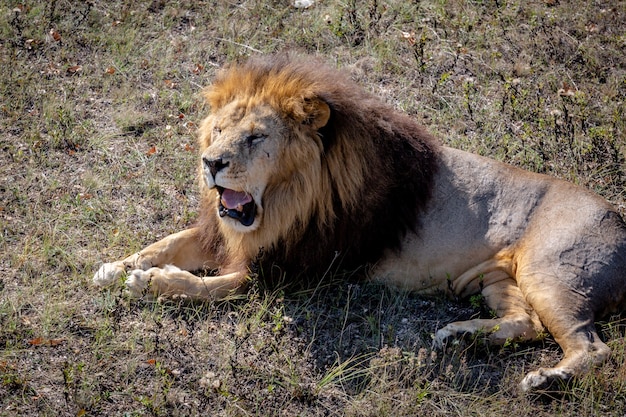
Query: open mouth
{"type": "Point", "coordinates": [237, 205]}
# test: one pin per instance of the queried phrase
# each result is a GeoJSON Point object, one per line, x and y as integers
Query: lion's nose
{"type": "Point", "coordinates": [214, 165]}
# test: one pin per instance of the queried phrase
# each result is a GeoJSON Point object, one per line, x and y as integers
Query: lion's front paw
{"type": "Point", "coordinates": [138, 283]}
{"type": "Point", "coordinates": [108, 274]}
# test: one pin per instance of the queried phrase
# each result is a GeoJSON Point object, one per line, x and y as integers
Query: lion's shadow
{"type": "Point", "coordinates": [367, 334]}
{"type": "Point", "coordinates": [364, 336]}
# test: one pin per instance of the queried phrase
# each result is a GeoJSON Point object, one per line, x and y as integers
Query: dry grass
{"type": "Point", "coordinates": [97, 119]}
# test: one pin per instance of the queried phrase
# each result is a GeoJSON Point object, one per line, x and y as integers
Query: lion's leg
{"type": "Point", "coordinates": [569, 319]}
{"type": "Point", "coordinates": [582, 349]}
{"type": "Point", "coordinates": [515, 320]}
{"type": "Point", "coordinates": [182, 249]}
{"type": "Point", "coordinates": [171, 281]}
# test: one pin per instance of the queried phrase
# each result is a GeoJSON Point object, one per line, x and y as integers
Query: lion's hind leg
{"type": "Point", "coordinates": [514, 322]}
{"type": "Point", "coordinates": [583, 350]}
{"type": "Point", "coordinates": [568, 317]}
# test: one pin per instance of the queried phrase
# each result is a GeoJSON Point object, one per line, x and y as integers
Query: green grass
{"type": "Point", "coordinates": [99, 106]}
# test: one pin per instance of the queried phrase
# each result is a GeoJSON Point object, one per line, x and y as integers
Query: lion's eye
{"type": "Point", "coordinates": [255, 139]}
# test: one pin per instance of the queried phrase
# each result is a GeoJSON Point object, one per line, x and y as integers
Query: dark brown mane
{"type": "Point", "coordinates": [400, 159]}
{"type": "Point", "coordinates": [379, 163]}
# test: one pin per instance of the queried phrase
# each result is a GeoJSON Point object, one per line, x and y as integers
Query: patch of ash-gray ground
{"type": "Point", "coordinates": [369, 326]}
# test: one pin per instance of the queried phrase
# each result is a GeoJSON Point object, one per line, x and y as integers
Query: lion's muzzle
{"type": "Point", "coordinates": [238, 205]}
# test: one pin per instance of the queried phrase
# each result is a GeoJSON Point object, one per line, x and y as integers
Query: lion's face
{"type": "Point", "coordinates": [243, 148]}
{"type": "Point", "coordinates": [254, 155]}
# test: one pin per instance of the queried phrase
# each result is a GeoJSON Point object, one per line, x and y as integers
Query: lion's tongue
{"type": "Point", "coordinates": [235, 200]}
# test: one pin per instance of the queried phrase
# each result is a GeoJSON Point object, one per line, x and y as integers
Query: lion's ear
{"type": "Point", "coordinates": [317, 113]}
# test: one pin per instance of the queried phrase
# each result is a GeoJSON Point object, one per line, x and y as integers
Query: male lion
{"type": "Point", "coordinates": [298, 164]}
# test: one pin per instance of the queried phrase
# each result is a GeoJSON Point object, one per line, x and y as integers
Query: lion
{"type": "Point", "coordinates": [299, 166]}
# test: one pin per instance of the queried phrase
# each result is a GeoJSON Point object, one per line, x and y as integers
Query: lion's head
{"type": "Point", "coordinates": [294, 156]}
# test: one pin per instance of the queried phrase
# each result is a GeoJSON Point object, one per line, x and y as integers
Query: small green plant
{"type": "Point", "coordinates": [477, 301]}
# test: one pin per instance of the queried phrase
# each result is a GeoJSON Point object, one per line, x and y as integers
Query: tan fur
{"type": "Point", "coordinates": [321, 168]}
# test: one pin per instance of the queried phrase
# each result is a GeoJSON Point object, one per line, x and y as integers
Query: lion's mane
{"type": "Point", "coordinates": [374, 178]}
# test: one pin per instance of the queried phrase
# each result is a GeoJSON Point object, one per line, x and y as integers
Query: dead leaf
{"type": "Point", "coordinates": [74, 69]}
{"type": "Point", "coordinates": [55, 342]}
{"type": "Point", "coordinates": [197, 69]}
{"type": "Point", "coordinates": [409, 37]}
{"type": "Point", "coordinates": [567, 90]}
{"type": "Point", "coordinates": [36, 342]}
{"type": "Point", "coordinates": [170, 84]}
{"type": "Point", "coordinates": [55, 35]}
{"type": "Point", "coordinates": [40, 341]}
